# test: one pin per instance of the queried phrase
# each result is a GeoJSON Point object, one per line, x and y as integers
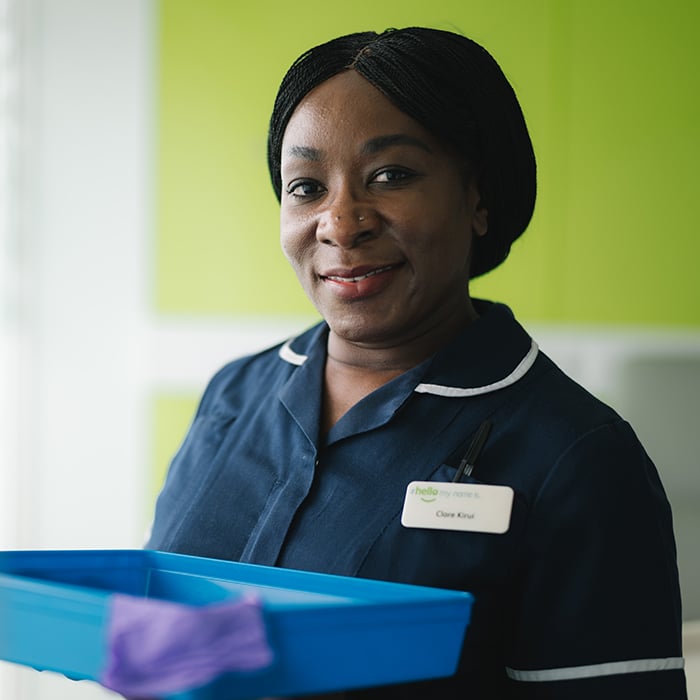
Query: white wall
{"type": "Point", "coordinates": [83, 230]}
{"type": "Point", "coordinates": [86, 237]}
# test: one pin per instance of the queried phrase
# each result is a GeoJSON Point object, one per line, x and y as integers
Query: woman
{"type": "Point", "coordinates": [404, 168]}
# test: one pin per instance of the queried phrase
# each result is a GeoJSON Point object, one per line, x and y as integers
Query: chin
{"type": "Point", "coordinates": [362, 331]}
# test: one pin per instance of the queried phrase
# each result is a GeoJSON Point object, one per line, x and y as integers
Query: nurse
{"type": "Point", "coordinates": [404, 169]}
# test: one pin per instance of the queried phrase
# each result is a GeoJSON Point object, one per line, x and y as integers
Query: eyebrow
{"type": "Point", "coordinates": [304, 152]}
{"type": "Point", "coordinates": [373, 146]}
{"type": "Point", "coordinates": [380, 143]}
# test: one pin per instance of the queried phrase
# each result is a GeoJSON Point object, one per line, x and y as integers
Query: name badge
{"type": "Point", "coordinates": [440, 505]}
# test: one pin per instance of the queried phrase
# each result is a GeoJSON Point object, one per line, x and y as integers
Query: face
{"type": "Point", "coordinates": [377, 217]}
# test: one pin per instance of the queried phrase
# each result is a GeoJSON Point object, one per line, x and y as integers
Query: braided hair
{"type": "Point", "coordinates": [452, 87]}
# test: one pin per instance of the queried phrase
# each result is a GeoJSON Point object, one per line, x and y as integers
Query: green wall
{"type": "Point", "coordinates": [610, 90]}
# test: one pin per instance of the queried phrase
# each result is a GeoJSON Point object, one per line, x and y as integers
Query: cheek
{"type": "Point", "coordinates": [294, 239]}
{"type": "Point", "coordinates": [444, 253]}
{"type": "Point", "coordinates": [440, 239]}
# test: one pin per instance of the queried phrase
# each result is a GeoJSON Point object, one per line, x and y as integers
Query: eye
{"type": "Point", "coordinates": [393, 176]}
{"type": "Point", "coordinates": [303, 189]}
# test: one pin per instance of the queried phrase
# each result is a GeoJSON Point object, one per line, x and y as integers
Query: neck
{"type": "Point", "coordinates": [399, 354]}
{"type": "Point", "coordinates": [354, 369]}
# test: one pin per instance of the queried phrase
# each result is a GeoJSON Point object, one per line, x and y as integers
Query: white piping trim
{"type": "Point", "coordinates": [458, 392]}
{"type": "Point", "coordinates": [286, 353]}
{"type": "Point", "coordinates": [597, 670]}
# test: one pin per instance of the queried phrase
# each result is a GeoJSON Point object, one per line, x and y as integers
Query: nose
{"type": "Point", "coordinates": [346, 223]}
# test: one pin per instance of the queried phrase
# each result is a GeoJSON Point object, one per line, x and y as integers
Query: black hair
{"type": "Point", "coordinates": [455, 89]}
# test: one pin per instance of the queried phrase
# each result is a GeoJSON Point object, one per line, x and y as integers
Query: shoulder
{"type": "Point", "coordinates": [249, 377]}
{"type": "Point", "coordinates": [592, 470]}
{"type": "Point", "coordinates": [554, 430]}
{"type": "Point", "coordinates": [575, 434]}
{"type": "Point", "coordinates": [535, 396]}
{"type": "Point", "coordinates": [567, 407]}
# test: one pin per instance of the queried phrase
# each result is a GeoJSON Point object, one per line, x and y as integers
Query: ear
{"type": "Point", "coordinates": [480, 220]}
{"type": "Point", "coordinates": [480, 216]}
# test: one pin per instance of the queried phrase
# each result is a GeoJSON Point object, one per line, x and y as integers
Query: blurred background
{"type": "Point", "coordinates": [139, 236]}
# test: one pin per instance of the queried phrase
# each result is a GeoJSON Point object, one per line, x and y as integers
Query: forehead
{"type": "Point", "coordinates": [345, 109]}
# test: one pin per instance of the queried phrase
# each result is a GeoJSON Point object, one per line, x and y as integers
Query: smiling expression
{"type": "Point", "coordinates": [377, 216]}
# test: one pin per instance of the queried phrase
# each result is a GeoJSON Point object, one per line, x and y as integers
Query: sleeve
{"type": "Point", "coordinates": [599, 612]}
{"type": "Point", "coordinates": [188, 470]}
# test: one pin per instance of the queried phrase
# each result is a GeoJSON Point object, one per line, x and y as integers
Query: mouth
{"type": "Point", "coordinates": [356, 274]}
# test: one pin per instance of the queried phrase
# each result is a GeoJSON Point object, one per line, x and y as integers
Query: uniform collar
{"type": "Point", "coordinates": [490, 354]}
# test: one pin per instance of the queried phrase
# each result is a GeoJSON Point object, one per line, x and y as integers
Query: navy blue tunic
{"type": "Point", "coordinates": [579, 598]}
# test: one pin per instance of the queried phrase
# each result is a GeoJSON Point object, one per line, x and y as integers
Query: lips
{"type": "Point", "coordinates": [360, 282]}
{"type": "Point", "coordinates": [356, 274]}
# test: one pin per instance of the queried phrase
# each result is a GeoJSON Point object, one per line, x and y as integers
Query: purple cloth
{"type": "Point", "coordinates": [157, 647]}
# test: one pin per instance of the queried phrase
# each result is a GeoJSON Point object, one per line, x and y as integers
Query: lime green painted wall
{"type": "Point", "coordinates": [611, 92]}
{"type": "Point", "coordinates": [172, 414]}
{"type": "Point", "coordinates": [610, 89]}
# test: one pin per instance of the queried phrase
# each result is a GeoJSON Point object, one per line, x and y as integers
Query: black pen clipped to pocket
{"type": "Point", "coordinates": [466, 466]}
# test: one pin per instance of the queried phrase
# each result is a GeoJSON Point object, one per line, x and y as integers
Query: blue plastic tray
{"type": "Point", "coordinates": [328, 632]}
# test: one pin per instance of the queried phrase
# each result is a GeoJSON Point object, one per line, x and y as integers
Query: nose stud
{"type": "Point", "coordinates": [338, 217]}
